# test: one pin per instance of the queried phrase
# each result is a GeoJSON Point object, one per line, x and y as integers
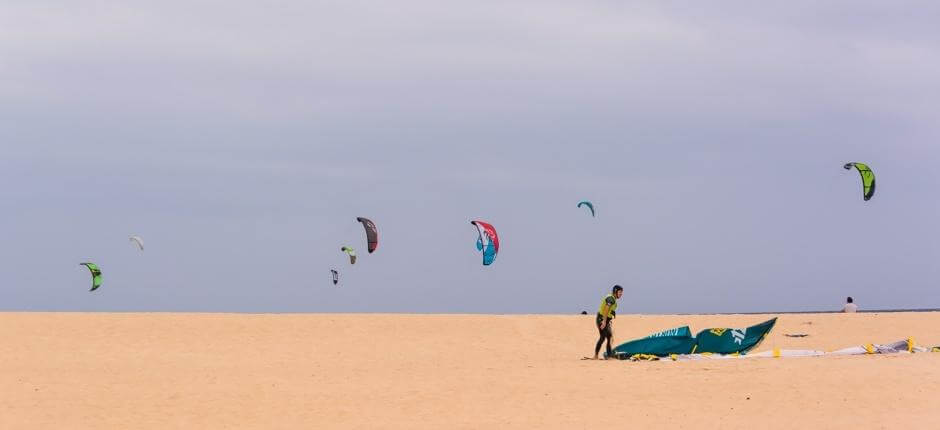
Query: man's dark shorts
{"type": "Point", "coordinates": [604, 332]}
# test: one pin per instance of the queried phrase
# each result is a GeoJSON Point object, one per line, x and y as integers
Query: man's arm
{"type": "Point", "coordinates": [606, 311]}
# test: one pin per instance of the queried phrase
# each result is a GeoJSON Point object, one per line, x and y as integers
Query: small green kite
{"type": "Point", "coordinates": [351, 253]}
{"type": "Point", "coordinates": [868, 178]}
{"type": "Point", "coordinates": [95, 275]}
{"type": "Point", "coordinates": [589, 206]}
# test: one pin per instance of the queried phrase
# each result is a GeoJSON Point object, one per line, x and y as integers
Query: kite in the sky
{"type": "Point", "coordinates": [335, 276]}
{"type": "Point", "coordinates": [488, 241]}
{"type": "Point", "coordinates": [589, 206]}
{"type": "Point", "coordinates": [372, 234]}
{"type": "Point", "coordinates": [868, 178]}
{"type": "Point", "coordinates": [137, 240]}
{"type": "Point", "coordinates": [95, 275]}
{"type": "Point", "coordinates": [351, 253]}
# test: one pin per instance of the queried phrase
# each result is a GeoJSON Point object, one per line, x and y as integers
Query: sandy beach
{"type": "Point", "coordinates": [166, 370]}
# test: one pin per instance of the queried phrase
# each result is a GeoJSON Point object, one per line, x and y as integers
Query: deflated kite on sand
{"type": "Point", "coordinates": [678, 344]}
{"type": "Point", "coordinates": [711, 340]}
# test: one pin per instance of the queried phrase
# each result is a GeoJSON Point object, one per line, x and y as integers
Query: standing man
{"type": "Point", "coordinates": [605, 315]}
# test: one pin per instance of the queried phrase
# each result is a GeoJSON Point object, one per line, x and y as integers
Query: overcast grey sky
{"type": "Point", "coordinates": [242, 139]}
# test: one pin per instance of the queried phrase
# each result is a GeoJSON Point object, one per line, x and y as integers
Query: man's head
{"type": "Point", "coordinates": [618, 291]}
{"type": "Point", "coordinates": [848, 299]}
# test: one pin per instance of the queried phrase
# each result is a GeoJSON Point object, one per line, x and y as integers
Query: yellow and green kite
{"type": "Point", "coordinates": [95, 275]}
{"type": "Point", "coordinates": [868, 178]}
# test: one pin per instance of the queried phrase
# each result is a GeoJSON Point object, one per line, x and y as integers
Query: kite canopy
{"type": "Point", "coordinates": [335, 276]}
{"type": "Point", "coordinates": [351, 253]}
{"type": "Point", "coordinates": [679, 340]}
{"type": "Point", "coordinates": [488, 241]}
{"type": "Point", "coordinates": [95, 275]}
{"type": "Point", "coordinates": [868, 178]}
{"type": "Point", "coordinates": [137, 240]}
{"type": "Point", "coordinates": [372, 234]}
{"type": "Point", "coordinates": [589, 206]}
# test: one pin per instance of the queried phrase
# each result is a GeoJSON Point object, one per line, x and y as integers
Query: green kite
{"type": "Point", "coordinates": [95, 275]}
{"type": "Point", "coordinates": [589, 206]}
{"type": "Point", "coordinates": [868, 178]}
{"type": "Point", "coordinates": [351, 253]}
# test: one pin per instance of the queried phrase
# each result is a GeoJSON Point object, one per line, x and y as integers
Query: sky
{"type": "Point", "coordinates": [241, 140]}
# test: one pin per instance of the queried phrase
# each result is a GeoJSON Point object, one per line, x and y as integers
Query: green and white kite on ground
{"type": "Point", "coordinates": [868, 178]}
{"type": "Point", "coordinates": [95, 275]}
{"type": "Point", "coordinates": [679, 340]}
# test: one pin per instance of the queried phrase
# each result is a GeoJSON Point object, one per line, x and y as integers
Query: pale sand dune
{"type": "Point", "coordinates": [208, 371]}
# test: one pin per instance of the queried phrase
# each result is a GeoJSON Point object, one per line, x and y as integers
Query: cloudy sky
{"type": "Point", "coordinates": [241, 140]}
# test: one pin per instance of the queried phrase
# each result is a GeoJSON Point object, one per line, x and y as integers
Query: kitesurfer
{"type": "Point", "coordinates": [605, 315]}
